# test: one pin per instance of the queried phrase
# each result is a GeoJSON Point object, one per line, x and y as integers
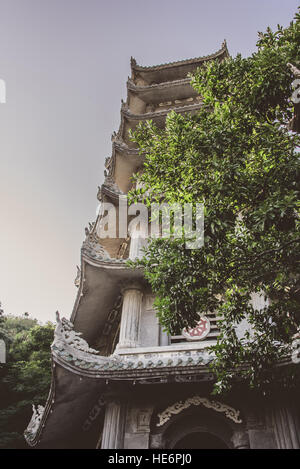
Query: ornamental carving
{"type": "Point", "coordinates": [64, 335]}
{"type": "Point", "coordinates": [110, 333]}
{"type": "Point", "coordinates": [199, 332]}
{"type": "Point", "coordinates": [108, 164]}
{"type": "Point", "coordinates": [35, 421]}
{"type": "Point", "coordinates": [111, 184]}
{"type": "Point", "coordinates": [78, 277]}
{"type": "Point", "coordinates": [72, 352]}
{"type": "Point", "coordinates": [92, 248]}
{"type": "Point", "coordinates": [217, 406]}
{"type": "Point", "coordinates": [295, 71]}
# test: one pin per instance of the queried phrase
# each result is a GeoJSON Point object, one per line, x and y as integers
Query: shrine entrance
{"type": "Point", "coordinates": [200, 440]}
{"type": "Point", "coordinates": [196, 427]}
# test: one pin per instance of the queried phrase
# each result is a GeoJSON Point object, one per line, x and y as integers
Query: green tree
{"type": "Point", "coordinates": [239, 158]}
{"type": "Point", "coordinates": [25, 378]}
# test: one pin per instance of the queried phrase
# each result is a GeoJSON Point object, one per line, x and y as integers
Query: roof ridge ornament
{"type": "Point", "coordinates": [34, 424]}
{"type": "Point", "coordinates": [92, 248]}
{"type": "Point", "coordinates": [124, 105]}
{"type": "Point", "coordinates": [132, 61]}
{"type": "Point", "coordinates": [65, 336]}
{"type": "Point", "coordinates": [295, 71]}
{"type": "Point", "coordinates": [111, 184]}
{"type": "Point", "coordinates": [180, 62]}
{"type": "Point", "coordinates": [78, 277]}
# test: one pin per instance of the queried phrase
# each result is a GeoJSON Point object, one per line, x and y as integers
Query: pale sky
{"type": "Point", "coordinates": [65, 64]}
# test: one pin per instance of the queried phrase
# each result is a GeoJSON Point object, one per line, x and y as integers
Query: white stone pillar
{"type": "Point", "coordinates": [286, 428]}
{"type": "Point", "coordinates": [139, 240]}
{"type": "Point", "coordinates": [164, 338]}
{"type": "Point", "coordinates": [131, 315]}
{"type": "Point", "coordinates": [112, 437]}
{"type": "Point", "coordinates": [136, 248]}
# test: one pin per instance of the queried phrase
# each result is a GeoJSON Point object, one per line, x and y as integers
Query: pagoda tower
{"type": "Point", "coordinates": [118, 380]}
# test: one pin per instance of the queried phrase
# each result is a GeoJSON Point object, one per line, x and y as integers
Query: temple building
{"type": "Point", "coordinates": [119, 380]}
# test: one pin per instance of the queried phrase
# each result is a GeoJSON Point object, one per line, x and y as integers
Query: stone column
{"type": "Point", "coordinates": [113, 428]}
{"type": "Point", "coordinates": [287, 428]}
{"type": "Point", "coordinates": [164, 338]}
{"type": "Point", "coordinates": [139, 239]}
{"type": "Point", "coordinates": [131, 314]}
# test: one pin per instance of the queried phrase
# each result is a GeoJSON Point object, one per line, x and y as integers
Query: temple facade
{"type": "Point", "coordinates": [118, 380]}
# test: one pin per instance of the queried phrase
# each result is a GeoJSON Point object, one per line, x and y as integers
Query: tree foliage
{"type": "Point", "coordinates": [238, 157]}
{"type": "Point", "coordinates": [25, 378]}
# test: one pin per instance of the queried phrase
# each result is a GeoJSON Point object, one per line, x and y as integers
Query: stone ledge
{"type": "Point", "coordinates": [166, 348]}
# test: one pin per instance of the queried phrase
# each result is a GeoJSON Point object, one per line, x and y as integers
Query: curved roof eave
{"type": "Point", "coordinates": [222, 51]}
{"type": "Point", "coordinates": [100, 283]}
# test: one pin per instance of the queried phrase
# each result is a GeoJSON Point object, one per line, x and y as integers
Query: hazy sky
{"type": "Point", "coordinates": [65, 64]}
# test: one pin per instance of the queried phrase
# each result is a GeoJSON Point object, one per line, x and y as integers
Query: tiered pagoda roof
{"type": "Point", "coordinates": [78, 370]}
{"type": "Point", "coordinates": [151, 93]}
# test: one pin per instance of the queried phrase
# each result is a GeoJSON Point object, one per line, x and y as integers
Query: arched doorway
{"type": "Point", "coordinates": [200, 440]}
{"type": "Point", "coordinates": [194, 428]}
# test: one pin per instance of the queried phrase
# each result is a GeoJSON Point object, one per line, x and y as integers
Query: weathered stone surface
{"type": "Point", "coordinates": [261, 439]}
{"type": "Point", "coordinates": [131, 316]}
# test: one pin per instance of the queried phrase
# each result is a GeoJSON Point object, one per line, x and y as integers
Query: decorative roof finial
{"type": "Point", "coordinates": [78, 276]}
{"type": "Point", "coordinates": [295, 71]}
{"type": "Point", "coordinates": [99, 194]}
{"type": "Point", "coordinates": [132, 61]}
